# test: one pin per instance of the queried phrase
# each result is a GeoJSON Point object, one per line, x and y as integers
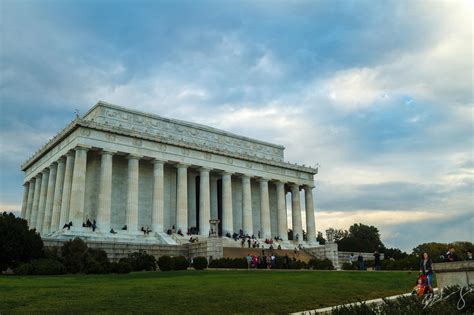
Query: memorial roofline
{"type": "Point", "coordinates": [81, 122]}
{"type": "Point", "coordinates": [181, 122]}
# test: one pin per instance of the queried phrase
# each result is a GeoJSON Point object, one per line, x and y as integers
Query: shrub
{"type": "Point", "coordinates": [200, 263]}
{"type": "Point", "coordinates": [348, 266]}
{"type": "Point", "coordinates": [179, 263]}
{"type": "Point", "coordinates": [41, 267]}
{"type": "Point", "coordinates": [164, 263]}
{"type": "Point", "coordinates": [77, 257]}
{"type": "Point", "coordinates": [298, 264]}
{"type": "Point", "coordinates": [229, 263]}
{"type": "Point", "coordinates": [411, 305]}
{"type": "Point", "coordinates": [140, 261]}
{"type": "Point", "coordinates": [95, 261]}
{"type": "Point", "coordinates": [25, 269]}
{"type": "Point", "coordinates": [73, 253]}
{"type": "Point", "coordinates": [123, 266]}
{"type": "Point", "coordinates": [18, 244]}
{"type": "Point", "coordinates": [318, 264]}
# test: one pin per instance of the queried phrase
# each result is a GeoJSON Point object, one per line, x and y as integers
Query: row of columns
{"type": "Point", "coordinates": [56, 196]}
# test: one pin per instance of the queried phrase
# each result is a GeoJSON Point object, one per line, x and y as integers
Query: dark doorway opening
{"type": "Point", "coordinates": [198, 193]}
{"type": "Point", "coordinates": [219, 204]}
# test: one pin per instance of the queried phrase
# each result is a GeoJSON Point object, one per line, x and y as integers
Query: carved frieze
{"type": "Point", "coordinates": [190, 134]}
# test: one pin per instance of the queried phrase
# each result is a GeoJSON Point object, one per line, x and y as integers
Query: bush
{"type": "Point", "coordinates": [73, 253]}
{"type": "Point", "coordinates": [41, 267]}
{"type": "Point", "coordinates": [179, 263]}
{"type": "Point", "coordinates": [240, 263]}
{"type": "Point", "coordinates": [140, 261]}
{"type": "Point", "coordinates": [164, 263]}
{"type": "Point", "coordinates": [348, 266]}
{"type": "Point", "coordinates": [123, 266]}
{"type": "Point", "coordinates": [95, 261]}
{"type": "Point", "coordinates": [77, 257]}
{"type": "Point", "coordinates": [298, 264]}
{"type": "Point", "coordinates": [18, 244]}
{"type": "Point", "coordinates": [25, 269]}
{"type": "Point", "coordinates": [411, 305]}
{"type": "Point", "coordinates": [318, 264]}
{"type": "Point", "coordinates": [200, 263]}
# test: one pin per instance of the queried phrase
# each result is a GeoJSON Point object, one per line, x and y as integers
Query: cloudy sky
{"type": "Point", "coordinates": [379, 93]}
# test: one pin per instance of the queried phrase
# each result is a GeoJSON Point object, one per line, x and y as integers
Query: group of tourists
{"type": "Point", "coordinates": [146, 230]}
{"type": "Point", "coordinates": [253, 261]}
{"type": "Point", "coordinates": [90, 224]}
{"type": "Point", "coordinates": [360, 261]}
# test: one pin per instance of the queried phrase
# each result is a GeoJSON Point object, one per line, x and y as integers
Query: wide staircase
{"type": "Point", "coordinates": [239, 252]}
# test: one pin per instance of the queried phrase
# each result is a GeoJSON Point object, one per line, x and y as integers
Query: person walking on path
{"type": "Point", "coordinates": [360, 261]}
{"type": "Point", "coordinates": [426, 268]}
{"type": "Point", "coordinates": [377, 263]}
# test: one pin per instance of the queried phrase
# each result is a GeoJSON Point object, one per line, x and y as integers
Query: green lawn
{"type": "Point", "coordinates": [197, 292]}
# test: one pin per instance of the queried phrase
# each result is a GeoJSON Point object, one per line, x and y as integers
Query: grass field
{"type": "Point", "coordinates": [197, 292]}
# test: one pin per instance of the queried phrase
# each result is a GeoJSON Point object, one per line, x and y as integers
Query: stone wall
{"type": "Point", "coordinates": [460, 273]}
{"type": "Point", "coordinates": [211, 248]}
{"type": "Point", "coordinates": [329, 251]}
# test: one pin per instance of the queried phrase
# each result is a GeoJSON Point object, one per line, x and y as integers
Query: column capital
{"type": "Point", "coordinates": [263, 180]}
{"type": "Point", "coordinates": [204, 169]}
{"type": "Point", "coordinates": [246, 176]}
{"type": "Point", "coordinates": [294, 186]}
{"type": "Point", "coordinates": [45, 170]}
{"type": "Point", "coordinates": [158, 161]}
{"type": "Point", "coordinates": [82, 147]}
{"type": "Point", "coordinates": [53, 164]}
{"type": "Point", "coordinates": [107, 152]}
{"type": "Point", "coordinates": [133, 157]}
{"type": "Point", "coordinates": [182, 165]}
{"type": "Point", "coordinates": [70, 153]}
{"type": "Point", "coordinates": [308, 187]}
{"type": "Point", "coordinates": [226, 173]}
{"type": "Point", "coordinates": [62, 159]}
{"type": "Point", "coordinates": [26, 183]}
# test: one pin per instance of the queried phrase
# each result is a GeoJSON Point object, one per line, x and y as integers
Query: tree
{"type": "Point", "coordinates": [18, 244]}
{"type": "Point", "coordinates": [435, 250]}
{"type": "Point", "coordinates": [361, 238]}
{"type": "Point", "coordinates": [394, 253]}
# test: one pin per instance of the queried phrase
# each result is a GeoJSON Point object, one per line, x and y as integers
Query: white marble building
{"type": "Point", "coordinates": [123, 167]}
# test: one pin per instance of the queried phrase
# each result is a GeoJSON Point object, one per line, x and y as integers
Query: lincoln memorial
{"type": "Point", "coordinates": [128, 171]}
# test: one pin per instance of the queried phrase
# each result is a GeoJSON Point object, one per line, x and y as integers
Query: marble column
{"type": "Point", "coordinates": [76, 209]}
{"type": "Point", "coordinates": [132, 193]}
{"type": "Point", "coordinates": [265, 224]}
{"type": "Point", "coordinates": [227, 222]}
{"type": "Point", "coordinates": [104, 213]}
{"type": "Point", "coordinates": [247, 205]}
{"type": "Point", "coordinates": [214, 198]}
{"type": "Point", "coordinates": [281, 210]}
{"type": "Point", "coordinates": [66, 197]}
{"type": "Point", "coordinates": [204, 201]}
{"type": "Point", "coordinates": [310, 223]}
{"type": "Point", "coordinates": [42, 201]}
{"type": "Point", "coordinates": [296, 212]}
{"type": "Point", "coordinates": [192, 200]}
{"type": "Point", "coordinates": [48, 210]}
{"type": "Point", "coordinates": [58, 192]}
{"type": "Point", "coordinates": [31, 192]}
{"type": "Point", "coordinates": [157, 215]}
{"type": "Point", "coordinates": [26, 187]}
{"type": "Point", "coordinates": [182, 199]}
{"type": "Point", "coordinates": [36, 198]}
